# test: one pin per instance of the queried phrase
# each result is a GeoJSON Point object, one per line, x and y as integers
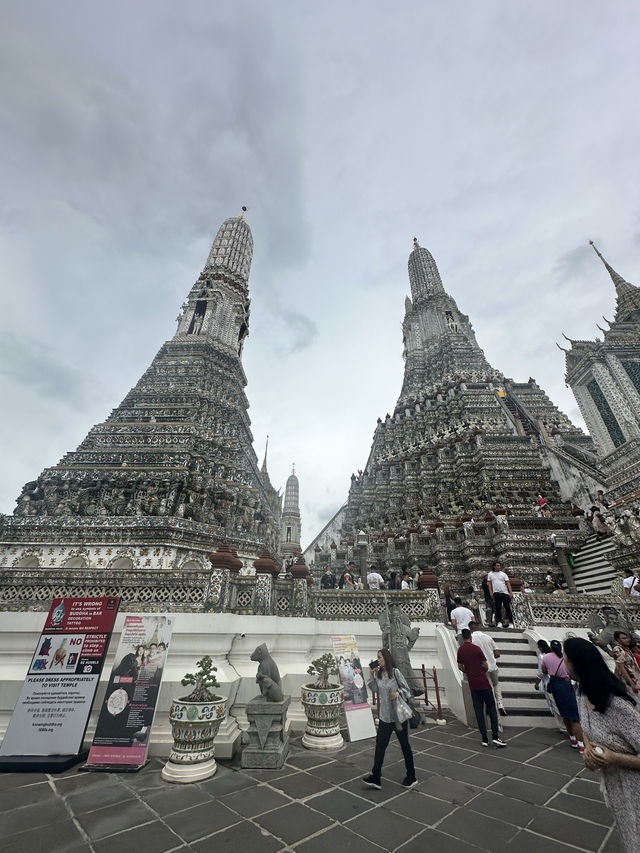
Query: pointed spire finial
{"type": "Point", "coordinates": [264, 462]}
{"type": "Point", "coordinates": [293, 468]}
{"type": "Point", "coordinates": [244, 210]}
{"type": "Point", "coordinates": [616, 278]}
{"type": "Point", "coordinates": [416, 245]}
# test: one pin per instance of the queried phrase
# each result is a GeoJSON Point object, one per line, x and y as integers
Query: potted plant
{"type": "Point", "coordinates": [195, 720]}
{"type": "Point", "coordinates": [322, 701]}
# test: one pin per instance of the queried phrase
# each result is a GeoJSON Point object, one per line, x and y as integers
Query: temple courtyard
{"type": "Point", "coordinates": [534, 795]}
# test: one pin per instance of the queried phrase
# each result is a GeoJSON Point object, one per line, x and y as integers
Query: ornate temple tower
{"type": "Point", "coordinates": [604, 376]}
{"type": "Point", "coordinates": [172, 471]}
{"type": "Point", "coordinates": [464, 446]}
{"type": "Point", "coordinates": [290, 528]}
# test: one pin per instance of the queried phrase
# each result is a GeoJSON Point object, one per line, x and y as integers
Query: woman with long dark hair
{"type": "Point", "coordinates": [389, 683]}
{"type": "Point", "coordinates": [611, 724]}
{"type": "Point", "coordinates": [565, 697]}
{"type": "Point", "coordinates": [542, 683]}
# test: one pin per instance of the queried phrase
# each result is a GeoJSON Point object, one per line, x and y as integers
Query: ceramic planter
{"type": "Point", "coordinates": [322, 707]}
{"type": "Point", "coordinates": [194, 726]}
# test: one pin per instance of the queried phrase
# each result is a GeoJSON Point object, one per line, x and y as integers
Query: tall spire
{"type": "Point", "coordinates": [628, 295]}
{"type": "Point", "coordinates": [423, 273]}
{"type": "Point", "coordinates": [264, 461]}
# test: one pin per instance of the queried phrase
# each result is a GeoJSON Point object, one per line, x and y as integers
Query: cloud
{"type": "Point", "coordinates": [34, 365]}
{"type": "Point", "coordinates": [574, 263]}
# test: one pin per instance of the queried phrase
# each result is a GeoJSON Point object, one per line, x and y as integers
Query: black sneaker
{"type": "Point", "coordinates": [498, 742]}
{"type": "Point", "coordinates": [372, 782]}
{"type": "Point", "coordinates": [408, 782]}
{"type": "Point", "coordinates": [485, 743]}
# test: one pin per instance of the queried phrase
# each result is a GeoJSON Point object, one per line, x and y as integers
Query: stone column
{"type": "Point", "coordinates": [266, 572]}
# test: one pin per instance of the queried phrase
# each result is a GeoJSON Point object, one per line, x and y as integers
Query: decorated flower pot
{"type": "Point", "coordinates": [194, 726]}
{"type": "Point", "coordinates": [322, 707]}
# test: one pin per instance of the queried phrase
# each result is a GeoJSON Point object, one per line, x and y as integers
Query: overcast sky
{"type": "Point", "coordinates": [503, 135]}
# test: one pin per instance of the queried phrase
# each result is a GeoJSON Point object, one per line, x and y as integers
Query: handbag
{"type": "Point", "coordinates": [403, 711]}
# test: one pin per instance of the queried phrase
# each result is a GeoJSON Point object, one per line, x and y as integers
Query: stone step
{"type": "Point", "coordinates": [517, 671]}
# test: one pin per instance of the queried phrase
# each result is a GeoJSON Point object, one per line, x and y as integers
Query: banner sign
{"type": "Point", "coordinates": [356, 698]}
{"type": "Point", "coordinates": [52, 712]}
{"type": "Point", "coordinates": [127, 712]}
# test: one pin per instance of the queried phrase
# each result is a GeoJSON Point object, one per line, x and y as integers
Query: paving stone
{"type": "Point", "coordinates": [585, 788]}
{"type": "Point", "coordinates": [582, 807]}
{"type": "Point", "coordinates": [32, 817]}
{"type": "Point", "coordinates": [10, 781]}
{"type": "Point", "coordinates": [336, 838]}
{"type": "Point", "coordinates": [61, 837]}
{"type": "Point", "coordinates": [340, 805]}
{"type": "Point", "coordinates": [76, 783]}
{"type": "Point", "coordinates": [308, 758]}
{"type": "Point", "coordinates": [144, 780]}
{"type": "Point", "coordinates": [270, 775]}
{"type": "Point", "coordinates": [614, 844]}
{"type": "Point", "coordinates": [568, 829]}
{"type": "Point", "coordinates": [115, 818]}
{"type": "Point", "coordinates": [336, 772]}
{"type": "Point", "coordinates": [438, 842]}
{"type": "Point", "coordinates": [548, 778]}
{"type": "Point", "coordinates": [97, 798]}
{"type": "Point", "coordinates": [489, 760]}
{"type": "Point", "coordinates": [299, 786]}
{"type": "Point", "coordinates": [200, 821]}
{"type": "Point", "coordinates": [420, 807]}
{"type": "Point", "coordinates": [449, 790]}
{"type": "Point", "coordinates": [237, 839]}
{"type": "Point", "coordinates": [527, 791]}
{"type": "Point", "coordinates": [390, 789]}
{"type": "Point", "coordinates": [567, 761]}
{"type": "Point", "coordinates": [173, 798]}
{"type": "Point", "coordinates": [27, 795]}
{"type": "Point", "coordinates": [504, 808]}
{"type": "Point", "coordinates": [451, 753]}
{"type": "Point", "coordinates": [479, 829]}
{"type": "Point", "coordinates": [386, 828]}
{"type": "Point", "coordinates": [227, 782]}
{"type": "Point", "coordinates": [293, 822]}
{"type": "Point", "coordinates": [460, 772]}
{"type": "Point", "coordinates": [152, 838]}
{"type": "Point", "coordinates": [255, 801]}
{"type": "Point", "coordinates": [529, 842]}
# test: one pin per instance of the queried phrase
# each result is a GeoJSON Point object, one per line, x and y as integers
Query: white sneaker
{"type": "Point", "coordinates": [499, 625]}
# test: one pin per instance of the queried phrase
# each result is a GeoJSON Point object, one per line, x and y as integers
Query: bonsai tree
{"type": "Point", "coordinates": [322, 668]}
{"type": "Point", "coordinates": [203, 680]}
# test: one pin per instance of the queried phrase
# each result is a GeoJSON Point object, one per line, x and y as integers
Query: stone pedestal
{"type": "Point", "coordinates": [268, 740]}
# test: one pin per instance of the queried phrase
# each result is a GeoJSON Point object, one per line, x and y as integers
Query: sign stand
{"type": "Point", "coordinates": [40, 763]}
{"type": "Point", "coordinates": [123, 731]}
{"type": "Point", "coordinates": [356, 698]}
{"type": "Point", "coordinates": [48, 725]}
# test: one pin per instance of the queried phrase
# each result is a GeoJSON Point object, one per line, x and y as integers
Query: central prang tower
{"type": "Point", "coordinates": [172, 471]}
{"type": "Point", "coordinates": [458, 467]}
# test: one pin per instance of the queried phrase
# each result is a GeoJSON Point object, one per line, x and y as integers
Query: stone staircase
{"type": "Point", "coordinates": [592, 571]}
{"type": "Point", "coordinates": [518, 667]}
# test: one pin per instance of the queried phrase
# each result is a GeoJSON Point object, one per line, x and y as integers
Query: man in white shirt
{"type": "Point", "coordinates": [631, 584]}
{"type": "Point", "coordinates": [492, 653]}
{"type": "Point", "coordinates": [406, 581]}
{"type": "Point", "coordinates": [501, 592]}
{"type": "Point", "coordinates": [374, 579]}
{"type": "Point", "coordinates": [460, 618]}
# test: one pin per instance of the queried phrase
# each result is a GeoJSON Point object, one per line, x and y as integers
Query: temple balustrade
{"type": "Point", "coordinates": [220, 591]}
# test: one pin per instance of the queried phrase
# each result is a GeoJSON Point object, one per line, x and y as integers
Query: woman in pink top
{"type": "Point", "coordinates": [560, 687]}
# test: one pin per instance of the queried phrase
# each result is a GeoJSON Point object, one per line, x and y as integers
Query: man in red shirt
{"type": "Point", "coordinates": [473, 663]}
